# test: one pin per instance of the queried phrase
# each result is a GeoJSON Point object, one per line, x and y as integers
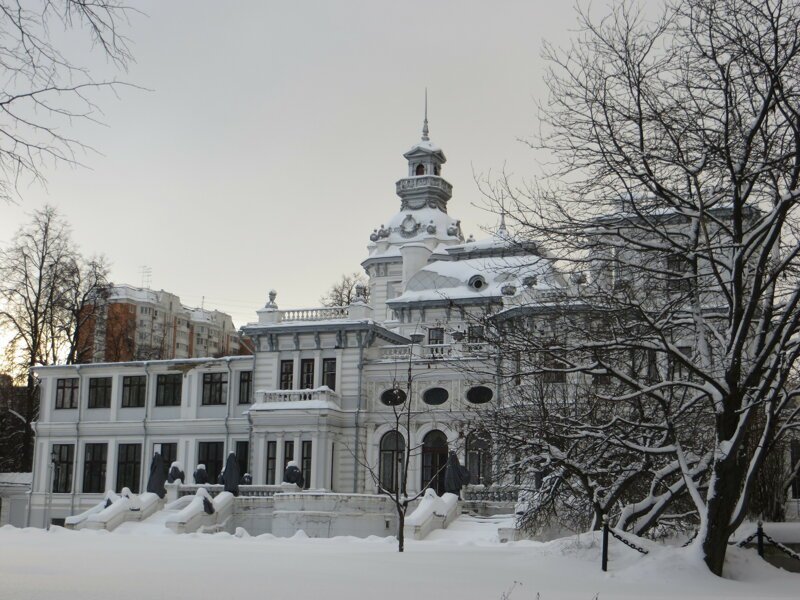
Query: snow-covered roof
{"type": "Point", "coordinates": [425, 146]}
{"type": "Point", "coordinates": [415, 225]}
{"type": "Point", "coordinates": [456, 279]}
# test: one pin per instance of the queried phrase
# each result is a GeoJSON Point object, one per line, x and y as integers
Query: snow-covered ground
{"type": "Point", "coordinates": [465, 562]}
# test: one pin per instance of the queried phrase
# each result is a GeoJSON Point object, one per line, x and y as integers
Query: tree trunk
{"type": "Point", "coordinates": [726, 482]}
{"type": "Point", "coordinates": [401, 522]}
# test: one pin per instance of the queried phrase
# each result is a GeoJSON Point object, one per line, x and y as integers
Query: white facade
{"type": "Point", "coordinates": [313, 388]}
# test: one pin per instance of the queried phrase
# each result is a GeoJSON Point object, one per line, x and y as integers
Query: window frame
{"type": "Point", "coordinates": [329, 373]}
{"type": "Point", "coordinates": [245, 387]}
{"type": "Point", "coordinates": [129, 469]}
{"type": "Point", "coordinates": [306, 454]}
{"type": "Point", "coordinates": [286, 375]}
{"type": "Point", "coordinates": [133, 391]}
{"type": "Point", "coordinates": [307, 373]}
{"type": "Point", "coordinates": [172, 383]}
{"type": "Point", "coordinates": [215, 389]}
{"type": "Point", "coordinates": [272, 462]}
{"type": "Point", "coordinates": [100, 392]}
{"type": "Point", "coordinates": [61, 480]}
{"type": "Point", "coordinates": [95, 468]}
{"type": "Point", "coordinates": [67, 393]}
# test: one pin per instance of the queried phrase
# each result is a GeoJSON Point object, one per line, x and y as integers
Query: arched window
{"type": "Point", "coordinates": [434, 460]}
{"type": "Point", "coordinates": [390, 467]}
{"type": "Point", "coordinates": [420, 170]}
{"type": "Point", "coordinates": [479, 458]}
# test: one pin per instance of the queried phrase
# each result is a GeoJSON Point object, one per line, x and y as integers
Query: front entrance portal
{"type": "Point", "coordinates": [434, 460]}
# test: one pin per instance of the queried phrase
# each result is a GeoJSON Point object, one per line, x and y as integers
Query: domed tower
{"type": "Point", "coordinates": [419, 232]}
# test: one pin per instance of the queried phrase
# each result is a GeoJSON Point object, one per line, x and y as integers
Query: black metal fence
{"type": "Point", "coordinates": [759, 535]}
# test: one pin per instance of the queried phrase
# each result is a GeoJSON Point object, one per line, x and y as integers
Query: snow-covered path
{"type": "Point", "coordinates": [463, 562]}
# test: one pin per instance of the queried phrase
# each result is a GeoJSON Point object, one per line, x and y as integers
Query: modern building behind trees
{"type": "Point", "coordinates": [142, 324]}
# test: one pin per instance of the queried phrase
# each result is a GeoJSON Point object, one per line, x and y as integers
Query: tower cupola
{"type": "Point", "coordinates": [424, 186]}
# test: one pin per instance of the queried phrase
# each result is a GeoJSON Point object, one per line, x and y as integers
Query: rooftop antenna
{"type": "Point", "coordinates": [425, 137]}
{"type": "Point", "coordinates": [147, 274]}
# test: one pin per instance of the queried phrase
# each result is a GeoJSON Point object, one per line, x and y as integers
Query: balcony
{"type": "Point", "coordinates": [424, 181]}
{"type": "Point", "coordinates": [455, 350]}
{"type": "Point", "coordinates": [323, 313]}
{"type": "Point", "coordinates": [323, 394]}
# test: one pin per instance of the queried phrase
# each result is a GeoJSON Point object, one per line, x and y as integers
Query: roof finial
{"type": "Point", "coordinates": [425, 137]}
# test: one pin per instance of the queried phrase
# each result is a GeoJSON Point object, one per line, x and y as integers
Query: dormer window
{"type": "Point", "coordinates": [420, 170]}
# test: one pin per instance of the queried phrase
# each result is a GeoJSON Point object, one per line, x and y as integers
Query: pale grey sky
{"type": "Point", "coordinates": [268, 150]}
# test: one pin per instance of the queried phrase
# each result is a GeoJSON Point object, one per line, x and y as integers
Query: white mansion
{"type": "Point", "coordinates": [317, 388]}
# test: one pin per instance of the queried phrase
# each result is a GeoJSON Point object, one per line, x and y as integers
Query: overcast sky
{"type": "Point", "coordinates": [269, 146]}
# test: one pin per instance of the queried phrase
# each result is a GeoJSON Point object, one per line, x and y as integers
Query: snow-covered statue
{"type": "Point", "coordinates": [176, 473]}
{"type": "Point", "coordinates": [201, 475]}
{"type": "Point", "coordinates": [456, 476]}
{"type": "Point", "coordinates": [247, 479]}
{"type": "Point", "coordinates": [293, 474]}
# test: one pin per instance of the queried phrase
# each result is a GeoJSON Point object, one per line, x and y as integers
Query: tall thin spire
{"type": "Point", "coordinates": [425, 137]}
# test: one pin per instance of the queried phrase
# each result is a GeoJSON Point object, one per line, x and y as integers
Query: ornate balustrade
{"type": "Point", "coordinates": [424, 181]}
{"type": "Point", "coordinates": [434, 351]}
{"type": "Point", "coordinates": [490, 493]}
{"type": "Point", "coordinates": [322, 393]}
{"type": "Point", "coordinates": [247, 491]}
{"type": "Point", "coordinates": [322, 313]}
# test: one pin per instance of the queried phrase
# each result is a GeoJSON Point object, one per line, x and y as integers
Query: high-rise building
{"type": "Point", "coordinates": [142, 324]}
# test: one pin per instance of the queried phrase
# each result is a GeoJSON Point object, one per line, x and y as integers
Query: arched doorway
{"type": "Point", "coordinates": [390, 467]}
{"type": "Point", "coordinates": [434, 460]}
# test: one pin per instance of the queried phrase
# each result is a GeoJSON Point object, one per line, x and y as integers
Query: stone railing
{"type": "Point", "coordinates": [434, 351]}
{"type": "Point", "coordinates": [322, 393]}
{"type": "Point", "coordinates": [246, 491]}
{"type": "Point", "coordinates": [423, 181]}
{"type": "Point", "coordinates": [490, 493]}
{"type": "Point", "coordinates": [322, 313]}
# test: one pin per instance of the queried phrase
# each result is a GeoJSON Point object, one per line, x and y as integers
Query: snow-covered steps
{"type": "Point", "coordinates": [433, 512]}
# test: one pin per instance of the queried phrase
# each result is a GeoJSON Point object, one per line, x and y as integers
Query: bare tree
{"type": "Point", "coordinates": [44, 89]}
{"type": "Point", "coordinates": [344, 292]}
{"type": "Point", "coordinates": [44, 287]}
{"type": "Point", "coordinates": [673, 207]}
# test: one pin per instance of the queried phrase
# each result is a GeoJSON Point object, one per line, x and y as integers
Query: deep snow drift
{"type": "Point", "coordinates": [465, 562]}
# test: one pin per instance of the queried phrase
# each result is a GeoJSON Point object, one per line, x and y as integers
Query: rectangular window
{"type": "Point", "coordinates": [551, 362]}
{"type": "Point", "coordinates": [272, 450]}
{"type": "Point", "coordinates": [94, 468]}
{"type": "Point", "coordinates": [475, 334]}
{"type": "Point", "coordinates": [245, 387]}
{"type": "Point", "coordinates": [243, 456]}
{"type": "Point", "coordinates": [679, 276]}
{"type": "Point", "coordinates": [169, 452]}
{"type": "Point", "coordinates": [129, 467]}
{"type": "Point", "coordinates": [168, 389]}
{"type": "Point", "coordinates": [100, 392]}
{"type": "Point", "coordinates": [287, 370]}
{"type": "Point", "coordinates": [288, 454]}
{"type": "Point", "coordinates": [306, 373]}
{"type": "Point", "coordinates": [329, 372]}
{"type": "Point", "coordinates": [67, 393]}
{"type": "Point", "coordinates": [215, 388]}
{"type": "Point", "coordinates": [305, 463]}
{"type": "Point", "coordinates": [63, 456]}
{"type": "Point", "coordinates": [210, 455]}
{"type": "Point", "coordinates": [436, 336]}
{"type": "Point", "coordinates": [133, 391]}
